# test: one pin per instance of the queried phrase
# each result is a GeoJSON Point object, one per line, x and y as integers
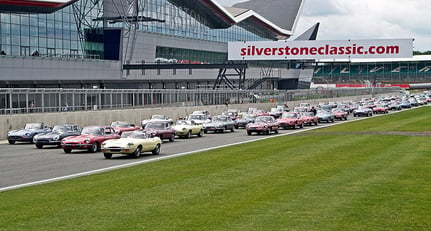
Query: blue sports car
{"type": "Point", "coordinates": [27, 133]}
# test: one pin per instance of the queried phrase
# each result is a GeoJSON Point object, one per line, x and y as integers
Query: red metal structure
{"type": "Point", "coordinates": [33, 6]}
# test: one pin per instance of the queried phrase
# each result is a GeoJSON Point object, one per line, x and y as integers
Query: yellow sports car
{"type": "Point", "coordinates": [187, 128]}
{"type": "Point", "coordinates": [132, 143]}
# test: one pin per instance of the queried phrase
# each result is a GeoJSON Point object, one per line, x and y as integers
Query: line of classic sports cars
{"type": "Point", "coordinates": [124, 138]}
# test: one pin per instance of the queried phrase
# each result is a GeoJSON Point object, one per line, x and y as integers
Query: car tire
{"type": "Point", "coordinates": [201, 133]}
{"type": "Point", "coordinates": [137, 152]}
{"type": "Point", "coordinates": [232, 129]}
{"type": "Point", "coordinates": [39, 146]}
{"type": "Point", "coordinates": [107, 155]}
{"type": "Point", "coordinates": [93, 148]}
{"type": "Point", "coordinates": [268, 131]}
{"type": "Point", "coordinates": [276, 131]}
{"type": "Point", "coordinates": [156, 150]}
{"type": "Point", "coordinates": [11, 141]}
{"type": "Point", "coordinates": [189, 135]}
{"type": "Point", "coordinates": [249, 133]}
{"type": "Point", "coordinates": [67, 150]}
{"type": "Point", "coordinates": [172, 138]}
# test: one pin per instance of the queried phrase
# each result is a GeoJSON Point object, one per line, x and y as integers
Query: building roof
{"type": "Point", "coordinates": [33, 6]}
{"type": "Point", "coordinates": [274, 21]}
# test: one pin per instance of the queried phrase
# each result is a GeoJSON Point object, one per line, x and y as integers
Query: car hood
{"type": "Point", "coordinates": [258, 124]}
{"type": "Point", "coordinates": [286, 120]}
{"type": "Point", "coordinates": [23, 132]}
{"type": "Point", "coordinates": [80, 138]}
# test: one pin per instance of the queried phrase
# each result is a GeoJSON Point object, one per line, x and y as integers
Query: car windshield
{"type": "Point", "coordinates": [183, 122]}
{"type": "Point", "coordinates": [220, 118]}
{"type": "Point", "coordinates": [160, 117]}
{"type": "Point", "coordinates": [33, 126]}
{"type": "Point", "coordinates": [307, 113]}
{"type": "Point", "coordinates": [135, 135]}
{"type": "Point", "coordinates": [290, 115]}
{"type": "Point", "coordinates": [98, 131]}
{"type": "Point", "coordinates": [120, 124]}
{"type": "Point", "coordinates": [155, 125]}
{"type": "Point", "coordinates": [61, 128]}
{"type": "Point", "coordinates": [264, 119]}
{"type": "Point", "coordinates": [196, 117]}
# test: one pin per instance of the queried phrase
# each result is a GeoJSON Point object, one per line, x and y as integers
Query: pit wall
{"type": "Point", "coordinates": [105, 117]}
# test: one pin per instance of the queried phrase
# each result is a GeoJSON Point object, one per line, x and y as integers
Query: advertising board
{"type": "Point", "coordinates": [329, 49]}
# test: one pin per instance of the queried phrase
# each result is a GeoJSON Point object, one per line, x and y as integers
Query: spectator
{"type": "Point", "coordinates": [31, 105]}
{"type": "Point", "coordinates": [313, 109]}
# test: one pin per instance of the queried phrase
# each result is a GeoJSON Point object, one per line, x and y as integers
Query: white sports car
{"type": "Point", "coordinates": [132, 143]}
{"type": "Point", "coordinates": [187, 128]}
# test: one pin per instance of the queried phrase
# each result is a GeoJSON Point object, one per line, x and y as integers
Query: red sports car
{"type": "Point", "coordinates": [263, 124]}
{"type": "Point", "coordinates": [309, 118]}
{"type": "Point", "coordinates": [380, 109]}
{"type": "Point", "coordinates": [340, 114]}
{"type": "Point", "coordinates": [91, 138]}
{"type": "Point", "coordinates": [290, 120]}
{"type": "Point", "coordinates": [123, 126]}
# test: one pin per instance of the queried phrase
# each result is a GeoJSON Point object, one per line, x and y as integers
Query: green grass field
{"type": "Point", "coordinates": [373, 174]}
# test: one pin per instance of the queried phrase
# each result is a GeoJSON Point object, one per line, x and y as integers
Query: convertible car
{"type": "Point", "coordinates": [27, 133]}
{"type": "Point", "coordinates": [187, 128]}
{"type": "Point", "coordinates": [123, 126]}
{"type": "Point", "coordinates": [290, 120]}
{"type": "Point", "coordinates": [219, 124]}
{"type": "Point", "coordinates": [132, 143]}
{"type": "Point", "coordinates": [309, 118]}
{"type": "Point", "coordinates": [340, 114]}
{"type": "Point", "coordinates": [263, 124]}
{"type": "Point", "coordinates": [91, 138]}
{"type": "Point", "coordinates": [58, 133]}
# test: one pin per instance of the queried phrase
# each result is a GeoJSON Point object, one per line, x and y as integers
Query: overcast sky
{"type": "Point", "coordinates": [366, 19]}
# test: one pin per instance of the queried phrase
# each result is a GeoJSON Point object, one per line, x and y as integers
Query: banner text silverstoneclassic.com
{"type": "Point", "coordinates": [336, 49]}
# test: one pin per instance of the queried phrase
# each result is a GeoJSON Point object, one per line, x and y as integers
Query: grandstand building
{"type": "Point", "coordinates": [145, 44]}
{"type": "Point", "coordinates": [377, 72]}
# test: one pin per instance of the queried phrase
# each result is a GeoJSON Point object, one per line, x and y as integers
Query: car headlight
{"type": "Point", "coordinates": [27, 134]}
{"type": "Point", "coordinates": [87, 141]}
{"type": "Point", "coordinates": [184, 129]}
{"type": "Point", "coordinates": [56, 137]}
{"type": "Point", "coordinates": [130, 144]}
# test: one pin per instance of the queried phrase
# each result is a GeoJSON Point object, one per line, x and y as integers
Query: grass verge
{"type": "Point", "coordinates": [327, 179]}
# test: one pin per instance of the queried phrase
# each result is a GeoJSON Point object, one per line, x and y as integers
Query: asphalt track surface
{"type": "Point", "coordinates": [24, 165]}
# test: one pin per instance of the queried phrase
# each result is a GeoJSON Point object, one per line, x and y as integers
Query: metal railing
{"type": "Point", "coordinates": [42, 100]}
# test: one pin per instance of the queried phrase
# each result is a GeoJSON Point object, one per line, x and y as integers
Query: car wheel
{"type": "Point", "coordinates": [172, 138]}
{"type": "Point", "coordinates": [189, 134]}
{"type": "Point", "coordinates": [156, 150]}
{"type": "Point", "coordinates": [302, 125]}
{"type": "Point", "coordinates": [205, 131]}
{"type": "Point", "coordinates": [93, 148]}
{"type": "Point", "coordinates": [268, 131]}
{"type": "Point", "coordinates": [276, 131]}
{"type": "Point", "coordinates": [316, 123]}
{"type": "Point", "coordinates": [248, 133]}
{"type": "Point", "coordinates": [107, 155]}
{"type": "Point", "coordinates": [201, 133]}
{"type": "Point", "coordinates": [11, 141]}
{"type": "Point", "coordinates": [137, 152]}
{"type": "Point", "coordinates": [232, 129]}
{"type": "Point", "coordinates": [67, 150]}
{"type": "Point", "coordinates": [39, 146]}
